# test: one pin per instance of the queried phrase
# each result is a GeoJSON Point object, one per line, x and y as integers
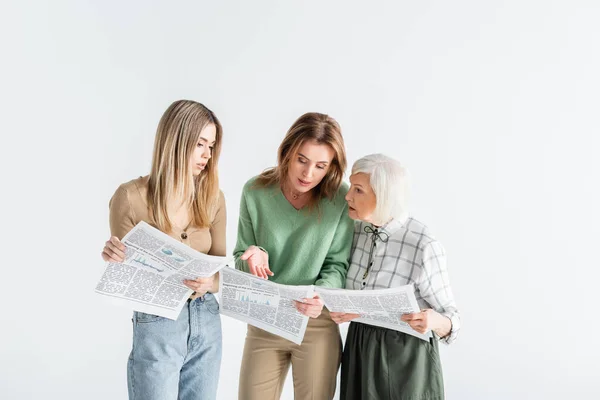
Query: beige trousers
{"type": "Point", "coordinates": [315, 362]}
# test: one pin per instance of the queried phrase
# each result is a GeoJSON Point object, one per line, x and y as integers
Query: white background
{"type": "Point", "coordinates": [493, 106]}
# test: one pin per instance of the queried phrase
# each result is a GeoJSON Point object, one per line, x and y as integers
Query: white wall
{"type": "Point", "coordinates": [492, 105]}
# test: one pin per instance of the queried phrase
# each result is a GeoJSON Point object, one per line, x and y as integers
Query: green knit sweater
{"type": "Point", "coordinates": [305, 247]}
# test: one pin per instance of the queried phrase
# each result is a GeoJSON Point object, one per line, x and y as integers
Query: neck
{"type": "Point", "coordinates": [293, 195]}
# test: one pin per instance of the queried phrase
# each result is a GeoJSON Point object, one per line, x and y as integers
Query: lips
{"type": "Point", "coordinates": [303, 183]}
{"type": "Point", "coordinates": [201, 166]}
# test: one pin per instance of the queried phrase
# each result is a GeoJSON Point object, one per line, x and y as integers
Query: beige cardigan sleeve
{"type": "Point", "coordinates": [218, 228]}
{"type": "Point", "coordinates": [121, 214]}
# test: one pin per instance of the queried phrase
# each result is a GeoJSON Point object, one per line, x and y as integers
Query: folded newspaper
{"type": "Point", "coordinates": [151, 277]}
{"type": "Point", "coordinates": [269, 305]}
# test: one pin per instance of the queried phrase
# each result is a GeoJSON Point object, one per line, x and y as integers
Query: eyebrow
{"type": "Point", "coordinates": [318, 162]}
{"type": "Point", "coordinates": [204, 140]}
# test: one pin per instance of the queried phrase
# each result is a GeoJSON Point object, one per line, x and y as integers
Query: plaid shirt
{"type": "Point", "coordinates": [402, 253]}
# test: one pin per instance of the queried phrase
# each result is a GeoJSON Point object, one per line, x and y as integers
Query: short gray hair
{"type": "Point", "coordinates": [390, 182]}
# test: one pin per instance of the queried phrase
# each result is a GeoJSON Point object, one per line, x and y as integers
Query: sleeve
{"type": "Point", "coordinates": [335, 267]}
{"type": "Point", "coordinates": [218, 230]}
{"type": "Point", "coordinates": [434, 286]}
{"type": "Point", "coordinates": [245, 234]}
{"type": "Point", "coordinates": [121, 216]}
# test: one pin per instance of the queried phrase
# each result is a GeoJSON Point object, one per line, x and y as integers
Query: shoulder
{"type": "Point", "coordinates": [250, 183]}
{"type": "Point", "coordinates": [132, 189]}
{"type": "Point", "coordinates": [131, 196]}
{"type": "Point", "coordinates": [252, 189]}
{"type": "Point", "coordinates": [419, 234]}
{"type": "Point", "coordinates": [339, 198]}
{"type": "Point", "coordinates": [343, 190]}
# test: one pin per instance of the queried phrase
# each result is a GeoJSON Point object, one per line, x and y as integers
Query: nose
{"type": "Point", "coordinates": [308, 171]}
{"type": "Point", "coordinates": [207, 153]}
{"type": "Point", "coordinates": [347, 197]}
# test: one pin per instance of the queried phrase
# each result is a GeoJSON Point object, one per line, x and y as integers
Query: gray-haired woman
{"type": "Point", "coordinates": [389, 249]}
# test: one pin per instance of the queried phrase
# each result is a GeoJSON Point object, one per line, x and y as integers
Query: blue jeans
{"type": "Point", "coordinates": [176, 360]}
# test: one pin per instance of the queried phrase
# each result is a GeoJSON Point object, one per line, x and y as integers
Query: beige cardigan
{"type": "Point", "coordinates": [128, 206]}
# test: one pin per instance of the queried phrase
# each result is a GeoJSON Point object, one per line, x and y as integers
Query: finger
{"type": "Point", "coordinates": [298, 307]}
{"type": "Point", "coordinates": [117, 243]}
{"type": "Point", "coordinates": [268, 271]}
{"type": "Point", "coordinates": [114, 249]}
{"type": "Point", "coordinates": [316, 302]}
{"type": "Point", "coordinates": [258, 271]}
{"type": "Point", "coordinates": [412, 317]}
{"type": "Point", "coordinates": [261, 270]}
{"type": "Point", "coordinates": [264, 272]}
{"type": "Point", "coordinates": [108, 256]}
{"type": "Point", "coordinates": [252, 269]}
{"type": "Point", "coordinates": [416, 326]}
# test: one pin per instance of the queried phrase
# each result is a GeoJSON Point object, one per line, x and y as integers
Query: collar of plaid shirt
{"type": "Point", "coordinates": [386, 230]}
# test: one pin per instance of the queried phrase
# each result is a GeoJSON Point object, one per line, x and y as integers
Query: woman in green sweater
{"type": "Point", "coordinates": [294, 229]}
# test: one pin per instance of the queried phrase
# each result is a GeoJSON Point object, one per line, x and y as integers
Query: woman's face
{"type": "Point", "coordinates": [309, 166]}
{"type": "Point", "coordinates": [203, 151]}
{"type": "Point", "coordinates": [361, 198]}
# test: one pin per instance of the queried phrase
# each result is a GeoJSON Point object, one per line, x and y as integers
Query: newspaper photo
{"type": "Point", "coordinates": [150, 279]}
{"type": "Point", "coordinates": [264, 304]}
{"type": "Point", "coordinates": [381, 307]}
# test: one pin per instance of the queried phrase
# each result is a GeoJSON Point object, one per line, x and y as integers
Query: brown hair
{"type": "Point", "coordinates": [171, 175]}
{"type": "Point", "coordinates": [324, 130]}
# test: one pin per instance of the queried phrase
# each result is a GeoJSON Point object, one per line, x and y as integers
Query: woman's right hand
{"type": "Point", "coordinates": [340, 317]}
{"type": "Point", "coordinates": [258, 262]}
{"type": "Point", "coordinates": [114, 250]}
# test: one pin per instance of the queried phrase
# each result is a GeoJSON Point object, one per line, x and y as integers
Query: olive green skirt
{"type": "Point", "coordinates": [380, 363]}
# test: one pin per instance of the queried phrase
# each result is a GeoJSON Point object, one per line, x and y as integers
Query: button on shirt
{"type": "Point", "coordinates": [403, 252]}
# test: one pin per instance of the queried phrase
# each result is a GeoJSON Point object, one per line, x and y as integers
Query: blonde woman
{"type": "Point", "coordinates": [294, 229]}
{"type": "Point", "coordinates": [391, 248]}
{"type": "Point", "coordinates": [181, 197]}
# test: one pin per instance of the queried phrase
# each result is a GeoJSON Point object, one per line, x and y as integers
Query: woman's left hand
{"type": "Point", "coordinates": [200, 285]}
{"type": "Point", "coordinates": [425, 320]}
{"type": "Point", "coordinates": [310, 307]}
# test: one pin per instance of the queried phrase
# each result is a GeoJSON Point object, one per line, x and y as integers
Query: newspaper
{"type": "Point", "coordinates": [269, 305]}
{"type": "Point", "coordinates": [380, 307]}
{"type": "Point", "coordinates": [264, 304]}
{"type": "Point", "coordinates": [150, 279]}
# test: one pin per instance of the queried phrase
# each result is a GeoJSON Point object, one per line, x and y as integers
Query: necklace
{"type": "Point", "coordinates": [296, 196]}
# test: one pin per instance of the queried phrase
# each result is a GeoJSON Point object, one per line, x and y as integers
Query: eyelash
{"type": "Point", "coordinates": [303, 161]}
{"type": "Point", "coordinates": [202, 145]}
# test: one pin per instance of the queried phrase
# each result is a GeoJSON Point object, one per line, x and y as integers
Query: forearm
{"type": "Point", "coordinates": [333, 276]}
{"type": "Point", "coordinates": [215, 286]}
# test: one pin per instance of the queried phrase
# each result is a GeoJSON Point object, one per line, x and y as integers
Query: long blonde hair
{"type": "Point", "coordinates": [324, 130]}
{"type": "Point", "coordinates": [171, 175]}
